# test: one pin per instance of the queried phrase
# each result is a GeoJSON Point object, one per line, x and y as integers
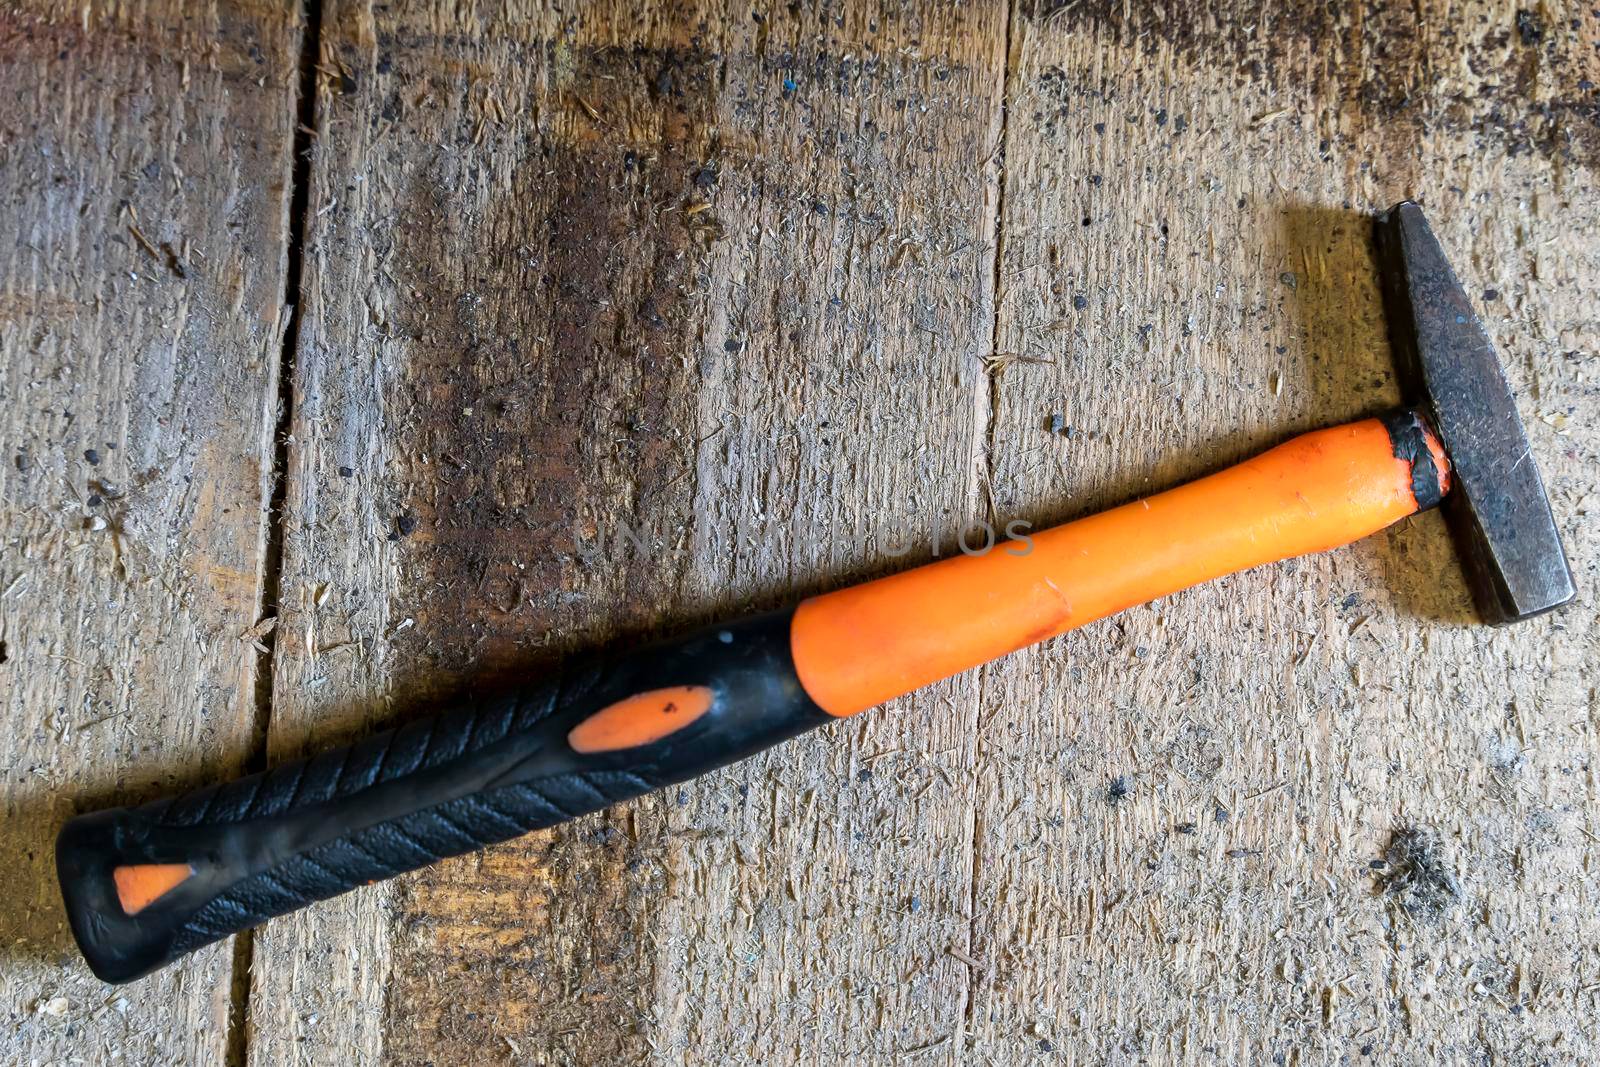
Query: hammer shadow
{"type": "Point", "coordinates": [33, 922]}
{"type": "Point", "coordinates": [1336, 305]}
{"type": "Point", "coordinates": [33, 925]}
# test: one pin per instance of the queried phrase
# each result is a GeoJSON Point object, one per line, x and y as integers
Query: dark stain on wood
{"type": "Point", "coordinates": [547, 411]}
{"type": "Point", "coordinates": [1380, 65]}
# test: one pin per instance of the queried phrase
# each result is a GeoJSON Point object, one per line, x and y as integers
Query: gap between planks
{"type": "Point", "coordinates": [994, 371]}
{"type": "Point", "coordinates": [304, 108]}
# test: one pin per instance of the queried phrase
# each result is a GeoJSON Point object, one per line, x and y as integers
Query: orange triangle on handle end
{"type": "Point", "coordinates": [141, 885]}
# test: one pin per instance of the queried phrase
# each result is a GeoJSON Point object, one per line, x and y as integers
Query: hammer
{"type": "Point", "coordinates": [145, 885]}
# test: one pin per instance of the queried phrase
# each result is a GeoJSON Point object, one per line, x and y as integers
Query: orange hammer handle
{"type": "Point", "coordinates": [858, 647]}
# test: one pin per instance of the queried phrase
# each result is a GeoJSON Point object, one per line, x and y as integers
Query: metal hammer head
{"type": "Point", "coordinates": [1497, 510]}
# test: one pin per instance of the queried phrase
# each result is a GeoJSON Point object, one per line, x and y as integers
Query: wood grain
{"type": "Point", "coordinates": [1180, 808]}
{"type": "Point", "coordinates": [144, 158]}
{"type": "Point", "coordinates": [633, 270]}
{"type": "Point", "coordinates": [862, 176]}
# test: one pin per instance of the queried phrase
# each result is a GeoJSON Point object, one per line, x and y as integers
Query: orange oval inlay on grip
{"type": "Point", "coordinates": [640, 719]}
{"type": "Point", "coordinates": [142, 884]}
{"type": "Point", "coordinates": [858, 647]}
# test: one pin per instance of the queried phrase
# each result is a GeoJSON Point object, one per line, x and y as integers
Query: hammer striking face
{"type": "Point", "coordinates": [146, 885]}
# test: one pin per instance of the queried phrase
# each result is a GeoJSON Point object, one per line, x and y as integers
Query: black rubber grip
{"type": "Point", "coordinates": [273, 842]}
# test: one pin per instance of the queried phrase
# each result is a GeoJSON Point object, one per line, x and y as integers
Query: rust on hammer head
{"type": "Point", "coordinates": [1497, 511]}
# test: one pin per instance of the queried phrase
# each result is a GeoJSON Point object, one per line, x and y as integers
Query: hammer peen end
{"type": "Point", "coordinates": [1498, 512]}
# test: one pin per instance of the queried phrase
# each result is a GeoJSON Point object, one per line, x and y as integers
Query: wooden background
{"type": "Point", "coordinates": [369, 319]}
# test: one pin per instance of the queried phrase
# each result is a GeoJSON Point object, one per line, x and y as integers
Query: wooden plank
{"type": "Point", "coordinates": [636, 267]}
{"type": "Point", "coordinates": [145, 158]}
{"type": "Point", "coordinates": [817, 899]}
{"type": "Point", "coordinates": [1184, 240]}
